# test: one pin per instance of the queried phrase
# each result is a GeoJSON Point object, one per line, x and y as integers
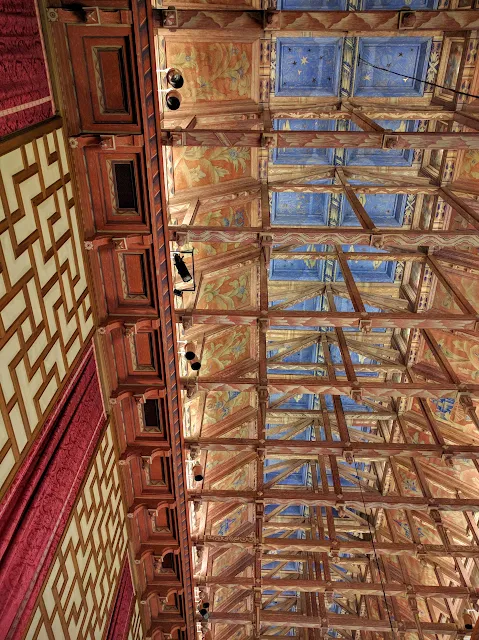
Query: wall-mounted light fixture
{"type": "Point", "coordinates": [184, 271]}
{"type": "Point", "coordinates": [174, 80]}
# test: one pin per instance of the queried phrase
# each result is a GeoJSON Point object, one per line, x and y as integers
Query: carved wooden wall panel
{"type": "Point", "coordinates": [111, 109]}
{"type": "Point", "coordinates": [77, 596]}
{"type": "Point", "coordinates": [104, 79]}
{"type": "Point", "coordinates": [117, 208]}
{"type": "Point", "coordinates": [45, 317]}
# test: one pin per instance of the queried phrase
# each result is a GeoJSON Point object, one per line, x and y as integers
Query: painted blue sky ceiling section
{"type": "Point", "coordinates": [383, 157]}
{"type": "Point", "coordinates": [384, 209]}
{"type": "Point", "coordinates": [308, 66]}
{"type": "Point", "coordinates": [374, 5]}
{"type": "Point", "coordinates": [401, 55]}
{"type": "Point", "coordinates": [303, 155]}
{"type": "Point", "coordinates": [306, 208]}
{"type": "Point", "coordinates": [313, 5]}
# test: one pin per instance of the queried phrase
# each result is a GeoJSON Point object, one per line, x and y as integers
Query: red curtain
{"type": "Point", "coordinates": [37, 506]}
{"type": "Point", "coordinates": [25, 95]}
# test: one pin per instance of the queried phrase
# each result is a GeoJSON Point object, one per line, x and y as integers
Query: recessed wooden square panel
{"type": "Point", "coordinates": [104, 78]}
{"type": "Point", "coordinates": [133, 276]}
{"type": "Point", "coordinates": [117, 187]}
{"type": "Point", "coordinates": [144, 358]}
{"type": "Point", "coordinates": [127, 277]}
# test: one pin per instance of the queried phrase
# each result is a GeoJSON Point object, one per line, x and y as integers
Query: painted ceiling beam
{"type": "Point", "coordinates": [360, 547]}
{"type": "Point", "coordinates": [309, 384]}
{"type": "Point", "coordinates": [346, 587]}
{"type": "Point", "coordinates": [320, 139]}
{"type": "Point", "coordinates": [304, 187]}
{"type": "Point", "coordinates": [300, 236]}
{"type": "Point", "coordinates": [310, 450]}
{"type": "Point", "coordinates": [300, 496]}
{"type": "Point", "coordinates": [352, 22]}
{"type": "Point", "coordinates": [334, 621]}
{"type": "Point", "coordinates": [368, 320]}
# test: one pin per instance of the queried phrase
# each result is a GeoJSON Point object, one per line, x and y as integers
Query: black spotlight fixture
{"type": "Point", "coordinates": [468, 621]}
{"type": "Point", "coordinates": [173, 100]}
{"type": "Point", "coordinates": [198, 474]}
{"type": "Point", "coordinates": [184, 273]}
{"type": "Point", "coordinates": [190, 351]}
{"type": "Point", "coordinates": [174, 78]}
{"type": "Point", "coordinates": [182, 269]}
{"type": "Point", "coordinates": [196, 365]}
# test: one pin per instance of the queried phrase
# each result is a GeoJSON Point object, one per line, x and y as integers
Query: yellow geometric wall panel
{"type": "Point", "coordinates": [78, 594]}
{"type": "Point", "coordinates": [136, 631]}
{"type": "Point", "coordinates": [45, 308]}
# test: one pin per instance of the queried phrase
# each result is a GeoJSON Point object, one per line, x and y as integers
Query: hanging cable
{"type": "Point", "coordinates": [403, 75]}
{"type": "Point", "coordinates": [374, 548]}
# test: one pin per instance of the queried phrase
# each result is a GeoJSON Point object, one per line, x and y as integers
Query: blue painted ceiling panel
{"type": "Point", "coordinates": [371, 5]}
{"type": "Point", "coordinates": [384, 209]}
{"type": "Point", "coordinates": [298, 209]}
{"type": "Point", "coordinates": [383, 157]}
{"type": "Point", "coordinates": [308, 66]}
{"type": "Point", "coordinates": [303, 155]}
{"type": "Point", "coordinates": [408, 56]}
{"type": "Point", "coordinates": [312, 5]}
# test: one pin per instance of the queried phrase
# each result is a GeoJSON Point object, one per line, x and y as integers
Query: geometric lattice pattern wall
{"type": "Point", "coordinates": [77, 596]}
{"type": "Point", "coordinates": [45, 308]}
{"type": "Point", "coordinates": [136, 631]}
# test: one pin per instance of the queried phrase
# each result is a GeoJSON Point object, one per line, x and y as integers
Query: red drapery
{"type": "Point", "coordinates": [37, 506]}
{"type": "Point", "coordinates": [25, 95]}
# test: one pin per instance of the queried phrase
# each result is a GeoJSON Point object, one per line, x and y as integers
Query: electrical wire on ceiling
{"type": "Point", "coordinates": [432, 84]}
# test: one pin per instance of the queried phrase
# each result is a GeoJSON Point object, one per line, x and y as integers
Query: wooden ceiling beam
{"type": "Point", "coordinates": [354, 499]}
{"type": "Point", "coordinates": [310, 449]}
{"type": "Point", "coordinates": [355, 23]}
{"type": "Point", "coordinates": [320, 139]}
{"type": "Point", "coordinates": [382, 237]}
{"type": "Point", "coordinates": [355, 319]}
{"type": "Point", "coordinates": [354, 548]}
{"type": "Point", "coordinates": [334, 621]}
{"type": "Point", "coordinates": [318, 385]}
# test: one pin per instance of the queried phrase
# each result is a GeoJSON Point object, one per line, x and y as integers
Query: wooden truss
{"type": "Point", "coordinates": [334, 539]}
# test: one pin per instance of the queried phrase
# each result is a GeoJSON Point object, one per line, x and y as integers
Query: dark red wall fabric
{"type": "Point", "coordinates": [38, 504]}
{"type": "Point", "coordinates": [23, 71]}
{"type": "Point", "coordinates": [123, 607]}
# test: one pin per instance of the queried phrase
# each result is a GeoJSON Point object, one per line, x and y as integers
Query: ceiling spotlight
{"type": "Point", "coordinates": [174, 78]}
{"type": "Point", "coordinates": [468, 622]}
{"type": "Point", "coordinates": [182, 269]}
{"type": "Point", "coordinates": [196, 364]}
{"type": "Point", "coordinates": [189, 351]}
{"type": "Point", "coordinates": [198, 472]}
{"type": "Point", "coordinates": [173, 100]}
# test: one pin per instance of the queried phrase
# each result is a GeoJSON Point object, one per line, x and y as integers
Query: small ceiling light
{"type": "Point", "coordinates": [174, 78]}
{"type": "Point", "coordinates": [173, 100]}
{"type": "Point", "coordinates": [198, 472]}
{"type": "Point", "coordinates": [189, 351]}
{"type": "Point", "coordinates": [468, 622]}
{"type": "Point", "coordinates": [196, 366]}
{"type": "Point", "coordinates": [182, 269]}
